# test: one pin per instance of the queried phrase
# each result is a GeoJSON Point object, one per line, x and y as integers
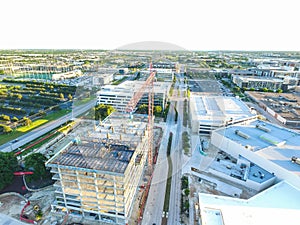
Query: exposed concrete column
{"type": "Point", "coordinates": [97, 192]}
{"type": "Point", "coordinates": [62, 187]}
{"type": "Point", "coordinates": [80, 190]}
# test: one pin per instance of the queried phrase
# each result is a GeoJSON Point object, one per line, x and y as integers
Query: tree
{"type": "Point", "coordinates": [39, 215]}
{"type": "Point", "coordinates": [70, 97]}
{"type": "Point", "coordinates": [187, 192]}
{"type": "Point", "coordinates": [15, 119]}
{"type": "Point", "coordinates": [4, 117]}
{"type": "Point", "coordinates": [61, 96]}
{"type": "Point", "coordinates": [7, 129]}
{"type": "Point", "coordinates": [143, 109]}
{"type": "Point", "coordinates": [184, 182]}
{"type": "Point", "coordinates": [188, 92]}
{"type": "Point", "coordinates": [102, 111]}
{"type": "Point", "coordinates": [36, 163]}
{"type": "Point", "coordinates": [157, 110]}
{"type": "Point", "coordinates": [279, 90]}
{"type": "Point", "coordinates": [19, 96]}
{"type": "Point", "coordinates": [8, 165]}
{"type": "Point", "coordinates": [27, 121]}
{"type": "Point", "coordinates": [186, 205]}
{"type": "Point", "coordinates": [236, 89]}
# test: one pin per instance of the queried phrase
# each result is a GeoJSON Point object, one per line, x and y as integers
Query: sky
{"type": "Point", "coordinates": [111, 24]}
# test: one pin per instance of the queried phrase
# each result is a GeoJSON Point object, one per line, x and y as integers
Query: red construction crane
{"type": "Point", "coordinates": [130, 108]}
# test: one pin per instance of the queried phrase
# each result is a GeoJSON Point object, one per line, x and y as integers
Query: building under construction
{"type": "Point", "coordinates": [98, 171]}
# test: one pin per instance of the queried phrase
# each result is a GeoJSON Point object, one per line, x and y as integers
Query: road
{"type": "Point", "coordinates": [176, 156]}
{"type": "Point", "coordinates": [155, 202]}
{"type": "Point", "coordinates": [32, 135]}
{"type": "Point", "coordinates": [154, 206]}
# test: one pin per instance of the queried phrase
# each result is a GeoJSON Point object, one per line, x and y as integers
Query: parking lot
{"type": "Point", "coordinates": [205, 86]}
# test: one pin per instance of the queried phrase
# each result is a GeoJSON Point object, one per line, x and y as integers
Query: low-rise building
{"type": "Point", "coordinates": [211, 112]}
{"type": "Point", "coordinates": [66, 75]}
{"type": "Point", "coordinates": [102, 79]}
{"type": "Point", "coordinates": [118, 96]}
{"type": "Point", "coordinates": [277, 205]}
{"type": "Point", "coordinates": [257, 82]}
{"type": "Point", "coordinates": [284, 107]}
{"type": "Point", "coordinates": [269, 146]}
{"type": "Point", "coordinates": [162, 75]}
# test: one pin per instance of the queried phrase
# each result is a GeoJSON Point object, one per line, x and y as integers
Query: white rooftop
{"type": "Point", "coordinates": [267, 79]}
{"type": "Point", "coordinates": [218, 109]}
{"type": "Point", "coordinates": [159, 87]}
{"type": "Point", "coordinates": [276, 143]}
{"type": "Point", "coordinates": [133, 86]}
{"type": "Point", "coordinates": [277, 205]}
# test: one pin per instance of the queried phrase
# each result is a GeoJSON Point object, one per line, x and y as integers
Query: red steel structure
{"type": "Point", "coordinates": [131, 106]}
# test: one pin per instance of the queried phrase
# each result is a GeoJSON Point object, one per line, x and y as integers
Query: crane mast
{"type": "Point", "coordinates": [130, 108]}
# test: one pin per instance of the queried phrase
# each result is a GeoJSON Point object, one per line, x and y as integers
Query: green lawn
{"type": "Point", "coordinates": [4, 138]}
{"type": "Point", "coordinates": [33, 125]}
{"type": "Point", "coordinates": [83, 101]}
{"type": "Point", "coordinates": [8, 137]}
{"type": "Point", "coordinates": [58, 114]}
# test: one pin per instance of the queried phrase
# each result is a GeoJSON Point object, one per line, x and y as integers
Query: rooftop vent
{"type": "Point", "coordinates": [258, 126]}
{"type": "Point", "coordinates": [241, 134]}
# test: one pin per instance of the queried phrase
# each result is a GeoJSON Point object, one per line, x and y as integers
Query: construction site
{"type": "Point", "coordinates": [99, 169]}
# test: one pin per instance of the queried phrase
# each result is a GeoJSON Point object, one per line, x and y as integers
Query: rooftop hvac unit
{"type": "Point", "coordinates": [249, 147]}
{"type": "Point", "coordinates": [263, 128]}
{"type": "Point", "coordinates": [295, 160]}
{"type": "Point", "coordinates": [241, 134]}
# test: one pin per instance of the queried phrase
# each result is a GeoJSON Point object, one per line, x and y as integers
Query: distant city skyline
{"type": "Point", "coordinates": [191, 25]}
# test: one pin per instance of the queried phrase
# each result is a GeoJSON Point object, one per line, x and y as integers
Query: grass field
{"type": "Point", "coordinates": [56, 115]}
{"type": "Point", "coordinates": [33, 125]}
{"type": "Point", "coordinates": [8, 137]}
{"type": "Point", "coordinates": [83, 101]}
{"type": "Point", "coordinates": [4, 138]}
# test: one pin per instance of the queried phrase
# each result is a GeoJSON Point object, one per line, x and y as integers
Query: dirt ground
{"type": "Point", "coordinates": [12, 205]}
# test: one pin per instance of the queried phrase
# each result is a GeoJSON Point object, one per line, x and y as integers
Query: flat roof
{"type": "Point", "coordinates": [276, 205]}
{"type": "Point", "coordinates": [251, 78]}
{"type": "Point", "coordinates": [284, 104]}
{"type": "Point", "coordinates": [106, 148]}
{"type": "Point", "coordinates": [253, 172]}
{"type": "Point", "coordinates": [95, 156]}
{"type": "Point", "coordinates": [159, 87]}
{"type": "Point", "coordinates": [129, 87]}
{"type": "Point", "coordinates": [278, 145]}
{"type": "Point", "coordinates": [218, 109]}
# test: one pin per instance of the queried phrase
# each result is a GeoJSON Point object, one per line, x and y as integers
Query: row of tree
{"type": "Point", "coordinates": [102, 111]}
{"type": "Point", "coordinates": [143, 109]}
{"type": "Point", "coordinates": [12, 110]}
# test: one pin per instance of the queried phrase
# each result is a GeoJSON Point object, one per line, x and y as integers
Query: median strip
{"type": "Point", "coordinates": [169, 180]}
